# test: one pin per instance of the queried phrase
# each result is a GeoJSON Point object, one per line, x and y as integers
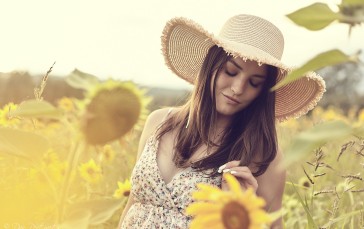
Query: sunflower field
{"type": "Point", "coordinates": [59, 171]}
{"type": "Point", "coordinates": [68, 164]}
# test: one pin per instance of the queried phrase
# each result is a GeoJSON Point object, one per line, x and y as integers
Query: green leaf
{"type": "Point", "coordinates": [36, 109]}
{"type": "Point", "coordinates": [311, 222]}
{"type": "Point", "coordinates": [314, 17]}
{"type": "Point", "coordinates": [79, 220]}
{"type": "Point", "coordinates": [352, 2]}
{"type": "Point", "coordinates": [358, 131]}
{"type": "Point", "coordinates": [81, 80]}
{"type": "Point", "coordinates": [309, 140]}
{"type": "Point", "coordinates": [101, 210]}
{"type": "Point", "coordinates": [342, 217]}
{"type": "Point", "coordinates": [23, 144]}
{"type": "Point", "coordinates": [324, 59]}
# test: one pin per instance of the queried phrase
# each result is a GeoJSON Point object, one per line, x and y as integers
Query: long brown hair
{"type": "Point", "coordinates": [250, 135]}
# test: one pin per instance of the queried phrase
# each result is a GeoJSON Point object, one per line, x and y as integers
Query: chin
{"type": "Point", "coordinates": [226, 113]}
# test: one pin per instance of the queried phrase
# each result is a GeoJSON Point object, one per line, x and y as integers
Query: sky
{"type": "Point", "coordinates": [121, 39]}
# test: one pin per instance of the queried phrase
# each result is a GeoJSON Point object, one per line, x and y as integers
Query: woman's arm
{"type": "Point", "coordinates": [152, 122]}
{"type": "Point", "coordinates": [271, 187]}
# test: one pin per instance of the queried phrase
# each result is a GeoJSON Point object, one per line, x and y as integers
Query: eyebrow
{"type": "Point", "coordinates": [238, 66]}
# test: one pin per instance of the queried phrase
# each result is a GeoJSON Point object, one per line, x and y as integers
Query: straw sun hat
{"type": "Point", "coordinates": [185, 45]}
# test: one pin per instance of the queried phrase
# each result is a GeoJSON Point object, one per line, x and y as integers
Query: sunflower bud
{"type": "Point", "coordinates": [113, 110]}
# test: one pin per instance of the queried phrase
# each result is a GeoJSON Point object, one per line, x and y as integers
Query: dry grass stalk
{"type": "Point", "coordinates": [319, 175]}
{"type": "Point", "coordinates": [360, 151]}
{"type": "Point", "coordinates": [323, 192]}
{"type": "Point", "coordinates": [38, 91]}
{"type": "Point", "coordinates": [344, 148]}
{"type": "Point", "coordinates": [319, 155]}
{"type": "Point", "coordinates": [309, 178]}
{"type": "Point", "coordinates": [356, 177]}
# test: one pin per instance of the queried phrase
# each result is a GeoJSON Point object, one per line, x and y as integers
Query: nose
{"type": "Point", "coordinates": [238, 85]}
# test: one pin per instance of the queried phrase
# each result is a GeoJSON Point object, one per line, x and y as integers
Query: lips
{"type": "Point", "coordinates": [232, 99]}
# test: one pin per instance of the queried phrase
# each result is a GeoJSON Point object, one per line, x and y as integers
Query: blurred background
{"type": "Point", "coordinates": [121, 40]}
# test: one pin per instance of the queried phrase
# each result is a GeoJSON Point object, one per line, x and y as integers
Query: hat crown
{"type": "Point", "coordinates": [254, 31]}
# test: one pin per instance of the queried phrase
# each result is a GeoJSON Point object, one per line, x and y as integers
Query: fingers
{"type": "Point", "coordinates": [242, 173]}
{"type": "Point", "coordinates": [228, 165]}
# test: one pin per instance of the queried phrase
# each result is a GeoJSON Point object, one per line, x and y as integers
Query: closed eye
{"type": "Point", "coordinates": [256, 84]}
{"type": "Point", "coordinates": [232, 74]}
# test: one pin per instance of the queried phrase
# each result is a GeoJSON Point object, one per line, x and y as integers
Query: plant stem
{"type": "Point", "coordinates": [73, 158]}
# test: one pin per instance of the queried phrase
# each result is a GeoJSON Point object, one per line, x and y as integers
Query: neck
{"type": "Point", "coordinates": [219, 128]}
{"type": "Point", "coordinates": [222, 122]}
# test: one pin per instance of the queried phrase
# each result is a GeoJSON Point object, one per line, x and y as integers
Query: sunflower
{"type": "Point", "coordinates": [114, 108]}
{"type": "Point", "coordinates": [5, 115]}
{"type": "Point", "coordinates": [90, 172]}
{"type": "Point", "coordinates": [123, 190]}
{"type": "Point", "coordinates": [66, 104]}
{"type": "Point", "coordinates": [108, 154]}
{"type": "Point", "coordinates": [231, 209]}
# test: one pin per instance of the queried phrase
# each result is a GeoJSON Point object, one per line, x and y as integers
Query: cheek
{"type": "Point", "coordinates": [254, 94]}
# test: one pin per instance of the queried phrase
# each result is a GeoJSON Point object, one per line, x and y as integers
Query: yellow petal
{"type": "Point", "coordinates": [260, 216]}
{"type": "Point", "coordinates": [233, 183]}
{"type": "Point", "coordinates": [202, 221]}
{"type": "Point", "coordinates": [208, 188]}
{"type": "Point", "coordinates": [202, 208]}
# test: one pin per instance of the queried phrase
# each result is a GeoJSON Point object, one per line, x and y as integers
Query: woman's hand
{"type": "Point", "coordinates": [242, 173]}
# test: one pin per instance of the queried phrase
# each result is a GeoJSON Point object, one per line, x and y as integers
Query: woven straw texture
{"type": "Point", "coordinates": [186, 43]}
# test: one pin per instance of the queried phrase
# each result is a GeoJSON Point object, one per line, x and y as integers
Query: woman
{"type": "Point", "coordinates": [228, 125]}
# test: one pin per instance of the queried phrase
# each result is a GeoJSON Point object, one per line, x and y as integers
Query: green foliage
{"type": "Point", "coordinates": [36, 109]}
{"type": "Point", "coordinates": [319, 15]}
{"type": "Point", "coordinates": [23, 143]}
{"type": "Point", "coordinates": [324, 59]}
{"type": "Point", "coordinates": [338, 182]}
{"type": "Point", "coordinates": [305, 142]}
{"type": "Point", "coordinates": [314, 17]}
{"type": "Point", "coordinates": [43, 147]}
{"type": "Point", "coordinates": [81, 80]}
{"type": "Point", "coordinates": [96, 215]}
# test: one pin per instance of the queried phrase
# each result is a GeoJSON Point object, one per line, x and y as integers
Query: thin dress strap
{"type": "Point", "coordinates": [161, 123]}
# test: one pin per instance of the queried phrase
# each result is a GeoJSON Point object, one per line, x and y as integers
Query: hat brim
{"type": "Point", "coordinates": [185, 45]}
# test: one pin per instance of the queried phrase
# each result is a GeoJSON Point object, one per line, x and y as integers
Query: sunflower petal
{"type": "Point", "coordinates": [202, 208]}
{"type": "Point", "coordinates": [233, 183]}
{"type": "Point", "coordinates": [203, 221]}
{"type": "Point", "coordinates": [260, 216]}
{"type": "Point", "coordinates": [208, 188]}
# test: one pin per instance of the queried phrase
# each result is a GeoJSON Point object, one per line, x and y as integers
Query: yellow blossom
{"type": "Point", "coordinates": [361, 116]}
{"type": "Point", "coordinates": [231, 209]}
{"type": "Point", "coordinates": [5, 118]}
{"type": "Point", "coordinates": [123, 189]}
{"type": "Point", "coordinates": [90, 172]}
{"type": "Point", "coordinates": [58, 170]}
{"type": "Point", "coordinates": [108, 154]}
{"type": "Point", "coordinates": [66, 104]}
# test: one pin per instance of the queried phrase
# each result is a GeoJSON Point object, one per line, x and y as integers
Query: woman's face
{"type": "Point", "coordinates": [238, 83]}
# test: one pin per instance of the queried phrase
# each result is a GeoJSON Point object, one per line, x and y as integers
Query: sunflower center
{"type": "Point", "coordinates": [90, 171]}
{"type": "Point", "coordinates": [126, 193]}
{"type": "Point", "coordinates": [235, 216]}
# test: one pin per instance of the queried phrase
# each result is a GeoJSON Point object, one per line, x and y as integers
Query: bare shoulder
{"type": "Point", "coordinates": [271, 183]}
{"type": "Point", "coordinates": [153, 121]}
{"type": "Point", "coordinates": [275, 168]}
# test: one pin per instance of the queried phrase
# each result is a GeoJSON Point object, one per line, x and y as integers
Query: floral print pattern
{"type": "Point", "coordinates": [159, 204]}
